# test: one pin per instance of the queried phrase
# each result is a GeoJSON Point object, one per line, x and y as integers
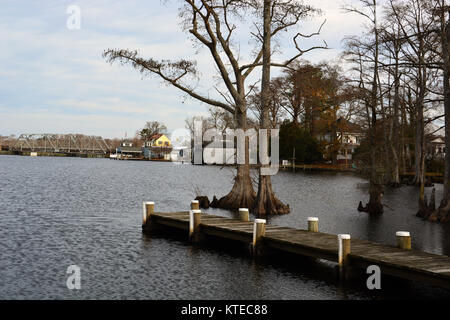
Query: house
{"type": "Point", "coordinates": [126, 151]}
{"type": "Point", "coordinates": [158, 146]}
{"type": "Point", "coordinates": [435, 147]}
{"type": "Point", "coordinates": [126, 143]}
{"type": "Point", "coordinates": [180, 154]}
{"type": "Point", "coordinates": [158, 140]}
{"type": "Point", "coordinates": [348, 136]}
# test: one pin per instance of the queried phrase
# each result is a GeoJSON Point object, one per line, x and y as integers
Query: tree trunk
{"type": "Point", "coordinates": [419, 151]}
{"type": "Point", "coordinates": [445, 214]}
{"type": "Point", "coordinates": [266, 201]}
{"type": "Point", "coordinates": [334, 144]}
{"type": "Point", "coordinates": [242, 195]}
{"type": "Point", "coordinates": [442, 214]}
{"type": "Point", "coordinates": [395, 176]}
{"type": "Point", "coordinates": [376, 189]}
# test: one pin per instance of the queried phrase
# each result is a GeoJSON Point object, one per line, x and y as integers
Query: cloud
{"type": "Point", "coordinates": [55, 80]}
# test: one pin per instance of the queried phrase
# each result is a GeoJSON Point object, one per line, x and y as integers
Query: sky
{"type": "Point", "coordinates": [53, 79]}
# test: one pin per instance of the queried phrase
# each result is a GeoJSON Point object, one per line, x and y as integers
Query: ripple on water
{"type": "Point", "coordinates": [55, 212]}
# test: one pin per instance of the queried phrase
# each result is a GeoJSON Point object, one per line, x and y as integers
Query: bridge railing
{"type": "Point", "coordinates": [61, 143]}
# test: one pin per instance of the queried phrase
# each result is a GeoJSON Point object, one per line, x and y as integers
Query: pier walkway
{"type": "Point", "coordinates": [400, 261]}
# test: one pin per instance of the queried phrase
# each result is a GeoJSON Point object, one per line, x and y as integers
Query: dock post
{"type": "Point", "coordinates": [259, 230]}
{"type": "Point", "coordinates": [244, 214]}
{"type": "Point", "coordinates": [344, 250]}
{"type": "Point", "coordinates": [195, 205]}
{"type": "Point", "coordinates": [195, 218]}
{"type": "Point", "coordinates": [313, 224]}
{"type": "Point", "coordinates": [403, 240]}
{"type": "Point", "coordinates": [148, 207]}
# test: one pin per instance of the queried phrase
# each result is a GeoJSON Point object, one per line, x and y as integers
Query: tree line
{"type": "Point", "coordinates": [392, 80]}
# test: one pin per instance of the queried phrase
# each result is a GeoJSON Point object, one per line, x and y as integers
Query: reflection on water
{"type": "Point", "coordinates": [55, 212]}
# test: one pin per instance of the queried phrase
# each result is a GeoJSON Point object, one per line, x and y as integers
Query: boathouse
{"type": "Point", "coordinates": [127, 150]}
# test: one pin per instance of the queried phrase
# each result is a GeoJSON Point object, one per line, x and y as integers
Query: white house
{"type": "Point", "coordinates": [436, 147]}
{"type": "Point", "coordinates": [349, 136]}
{"type": "Point", "coordinates": [180, 154]}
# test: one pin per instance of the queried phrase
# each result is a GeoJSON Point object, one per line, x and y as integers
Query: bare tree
{"type": "Point", "coordinates": [366, 57]}
{"type": "Point", "coordinates": [266, 201]}
{"type": "Point", "coordinates": [275, 105]}
{"type": "Point", "coordinates": [210, 23]}
{"type": "Point", "coordinates": [151, 128]}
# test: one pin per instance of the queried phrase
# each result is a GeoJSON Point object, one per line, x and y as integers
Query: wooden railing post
{"type": "Point", "coordinates": [195, 205]}
{"type": "Point", "coordinates": [313, 224]}
{"type": "Point", "coordinates": [244, 214]}
{"type": "Point", "coordinates": [403, 240]}
{"type": "Point", "coordinates": [195, 218]}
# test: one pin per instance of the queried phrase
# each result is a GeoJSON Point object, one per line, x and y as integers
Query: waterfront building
{"type": "Point", "coordinates": [347, 135]}
{"type": "Point", "coordinates": [127, 151]}
{"type": "Point", "coordinates": [157, 147]}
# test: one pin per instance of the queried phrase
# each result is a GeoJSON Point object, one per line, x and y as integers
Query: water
{"type": "Point", "coordinates": [55, 212]}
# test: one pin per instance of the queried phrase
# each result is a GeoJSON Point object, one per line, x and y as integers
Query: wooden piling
{"type": "Point", "coordinates": [195, 218]}
{"type": "Point", "coordinates": [313, 224]}
{"type": "Point", "coordinates": [259, 230]}
{"type": "Point", "coordinates": [244, 214]}
{"type": "Point", "coordinates": [403, 240]}
{"type": "Point", "coordinates": [148, 208]}
{"type": "Point", "coordinates": [344, 248]}
{"type": "Point", "coordinates": [195, 205]}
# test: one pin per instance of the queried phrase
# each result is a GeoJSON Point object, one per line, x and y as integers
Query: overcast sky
{"type": "Point", "coordinates": [55, 80]}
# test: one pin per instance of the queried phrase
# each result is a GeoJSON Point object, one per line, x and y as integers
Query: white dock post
{"type": "Point", "coordinates": [195, 218]}
{"type": "Point", "coordinates": [403, 240]}
{"type": "Point", "coordinates": [195, 205]}
{"type": "Point", "coordinates": [343, 252]}
{"type": "Point", "coordinates": [148, 207]}
{"type": "Point", "coordinates": [244, 214]}
{"type": "Point", "coordinates": [259, 230]}
{"type": "Point", "coordinates": [313, 224]}
{"type": "Point", "coordinates": [344, 248]}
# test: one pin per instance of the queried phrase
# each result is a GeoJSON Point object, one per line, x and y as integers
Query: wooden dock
{"type": "Point", "coordinates": [398, 261]}
{"type": "Point", "coordinates": [319, 167]}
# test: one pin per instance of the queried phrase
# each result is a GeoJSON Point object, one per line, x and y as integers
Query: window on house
{"type": "Point", "coordinates": [160, 142]}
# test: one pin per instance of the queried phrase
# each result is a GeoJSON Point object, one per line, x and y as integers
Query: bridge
{"type": "Point", "coordinates": [60, 143]}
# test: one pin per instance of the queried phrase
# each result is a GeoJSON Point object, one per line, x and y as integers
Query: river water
{"type": "Point", "coordinates": [56, 212]}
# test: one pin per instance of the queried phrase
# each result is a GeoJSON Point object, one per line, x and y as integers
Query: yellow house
{"type": "Point", "coordinates": [158, 140]}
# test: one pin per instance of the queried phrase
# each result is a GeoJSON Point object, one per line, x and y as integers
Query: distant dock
{"type": "Point", "coordinates": [400, 261]}
{"type": "Point", "coordinates": [319, 167]}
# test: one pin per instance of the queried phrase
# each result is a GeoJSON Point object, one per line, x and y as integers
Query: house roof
{"type": "Point", "coordinates": [437, 139]}
{"type": "Point", "coordinates": [347, 126]}
{"type": "Point", "coordinates": [155, 137]}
